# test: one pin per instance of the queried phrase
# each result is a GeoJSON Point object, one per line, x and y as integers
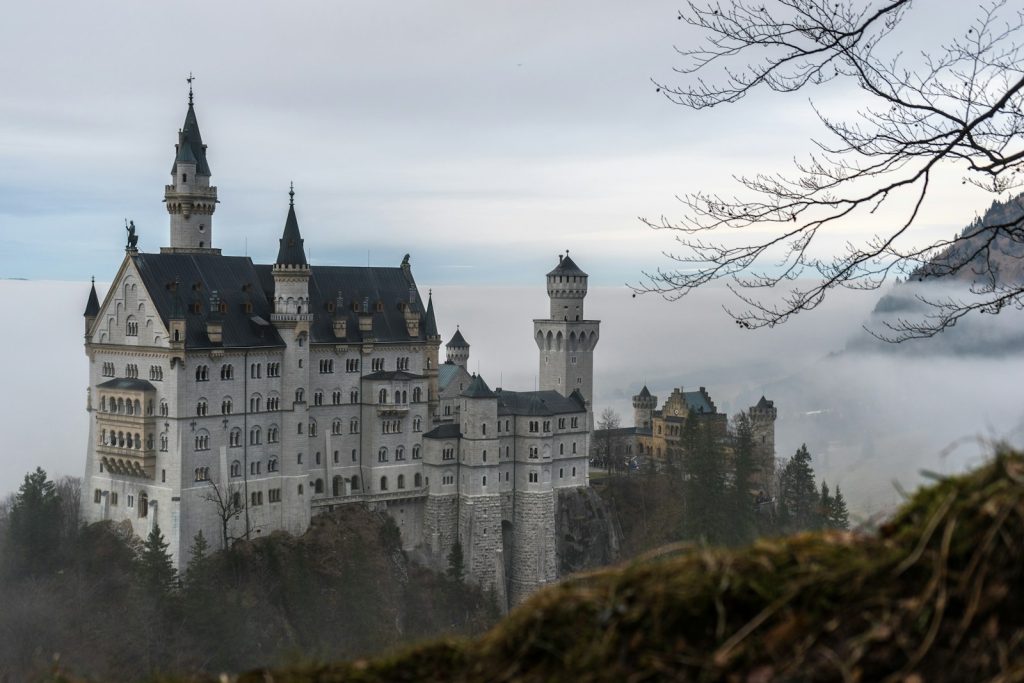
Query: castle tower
{"type": "Point", "coordinates": [479, 484]}
{"type": "Point", "coordinates": [292, 319]}
{"type": "Point", "coordinates": [643, 408]}
{"type": "Point", "coordinates": [566, 340]}
{"type": "Point", "coordinates": [433, 346]}
{"type": "Point", "coordinates": [190, 198]}
{"type": "Point", "coordinates": [762, 420]}
{"type": "Point", "coordinates": [457, 349]}
{"type": "Point", "coordinates": [92, 308]}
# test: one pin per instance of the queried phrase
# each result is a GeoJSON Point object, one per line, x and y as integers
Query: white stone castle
{"type": "Point", "coordinates": [237, 399]}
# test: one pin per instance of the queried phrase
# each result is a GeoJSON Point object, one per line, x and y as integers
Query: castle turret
{"type": "Point", "coordinates": [479, 496]}
{"type": "Point", "coordinates": [457, 349]}
{"type": "Point", "coordinates": [433, 346]}
{"type": "Point", "coordinates": [566, 340]}
{"type": "Point", "coordinates": [644, 405]}
{"type": "Point", "coordinates": [190, 198]}
{"type": "Point", "coordinates": [762, 422]}
{"type": "Point", "coordinates": [292, 318]}
{"type": "Point", "coordinates": [92, 308]}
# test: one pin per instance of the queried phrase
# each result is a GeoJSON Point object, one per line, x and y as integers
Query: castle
{"type": "Point", "coordinates": [657, 434]}
{"type": "Point", "coordinates": [236, 399]}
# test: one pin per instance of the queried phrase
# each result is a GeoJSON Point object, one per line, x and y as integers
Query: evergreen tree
{"type": "Point", "coordinates": [824, 512]}
{"type": "Point", "coordinates": [199, 553]}
{"type": "Point", "coordinates": [456, 568]}
{"type": "Point", "coordinates": [704, 484]}
{"type": "Point", "coordinates": [34, 526]}
{"type": "Point", "coordinates": [741, 507]}
{"type": "Point", "coordinates": [156, 571]}
{"type": "Point", "coordinates": [839, 517]}
{"type": "Point", "coordinates": [798, 496]}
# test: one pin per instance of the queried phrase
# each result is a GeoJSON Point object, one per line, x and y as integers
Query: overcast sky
{"type": "Point", "coordinates": [481, 137]}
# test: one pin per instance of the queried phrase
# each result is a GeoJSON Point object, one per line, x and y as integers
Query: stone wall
{"type": "Point", "coordinates": [534, 558]}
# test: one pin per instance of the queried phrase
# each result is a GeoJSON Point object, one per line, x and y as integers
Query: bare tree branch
{"type": "Point", "coordinates": [958, 109]}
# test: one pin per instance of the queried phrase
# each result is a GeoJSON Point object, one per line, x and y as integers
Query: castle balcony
{"type": "Point", "coordinates": [371, 497]}
{"type": "Point", "coordinates": [130, 462]}
{"type": "Point", "coordinates": [291, 317]}
{"type": "Point", "coordinates": [393, 409]}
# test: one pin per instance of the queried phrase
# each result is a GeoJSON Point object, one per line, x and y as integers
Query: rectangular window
{"type": "Point", "coordinates": [113, 498]}
{"type": "Point", "coordinates": [97, 496]}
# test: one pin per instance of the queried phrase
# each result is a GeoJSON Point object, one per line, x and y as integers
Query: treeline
{"type": "Point", "coordinates": [714, 489]}
{"type": "Point", "coordinates": [98, 601]}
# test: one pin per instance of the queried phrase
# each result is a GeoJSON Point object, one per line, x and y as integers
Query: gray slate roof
{"type": "Point", "coordinates": [478, 389]}
{"type": "Point", "coordinates": [190, 147]}
{"type": "Point", "coordinates": [430, 324]}
{"type": "Point", "coordinates": [291, 253]}
{"type": "Point", "coordinates": [236, 281]}
{"type": "Point", "coordinates": [538, 403]}
{"type": "Point", "coordinates": [645, 393]}
{"type": "Point", "coordinates": [566, 266]}
{"type": "Point", "coordinates": [92, 306]}
{"type": "Point", "coordinates": [356, 284]}
{"type": "Point", "coordinates": [449, 430]}
{"type": "Point", "coordinates": [458, 341]}
{"type": "Point", "coordinates": [126, 384]}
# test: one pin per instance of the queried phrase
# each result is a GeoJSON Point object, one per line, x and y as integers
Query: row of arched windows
{"type": "Point", "coordinates": [124, 440]}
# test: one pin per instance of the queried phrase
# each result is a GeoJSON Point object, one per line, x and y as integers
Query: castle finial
{"type": "Point", "coordinates": [291, 194]}
{"type": "Point", "coordinates": [190, 79]}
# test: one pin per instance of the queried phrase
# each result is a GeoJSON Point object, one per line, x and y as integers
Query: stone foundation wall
{"type": "Point", "coordinates": [534, 560]}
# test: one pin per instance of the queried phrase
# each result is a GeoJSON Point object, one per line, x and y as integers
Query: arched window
{"type": "Point", "coordinates": [336, 426]}
{"type": "Point", "coordinates": [382, 454]}
{"type": "Point", "coordinates": [254, 436]}
{"type": "Point", "coordinates": [382, 396]}
{"type": "Point", "coordinates": [272, 434]}
{"type": "Point", "coordinates": [401, 481]}
{"type": "Point", "coordinates": [383, 483]}
{"type": "Point", "coordinates": [202, 408]}
{"type": "Point", "coordinates": [417, 480]}
{"type": "Point", "coordinates": [337, 486]}
{"type": "Point", "coordinates": [254, 403]}
{"type": "Point", "coordinates": [353, 426]}
{"type": "Point", "coordinates": [227, 371]}
{"type": "Point", "coordinates": [272, 465]}
{"type": "Point", "coordinates": [416, 393]}
{"type": "Point", "coordinates": [483, 481]}
{"type": "Point", "coordinates": [236, 468]}
{"type": "Point", "coordinates": [202, 373]}
{"type": "Point", "coordinates": [225, 406]}
{"type": "Point", "coordinates": [120, 405]}
{"type": "Point", "coordinates": [132, 329]}
{"type": "Point", "coordinates": [163, 408]}
{"type": "Point", "coordinates": [353, 396]}
{"type": "Point", "coordinates": [318, 487]}
{"type": "Point", "coordinates": [300, 396]}
{"type": "Point", "coordinates": [400, 453]}
{"type": "Point", "coordinates": [318, 398]}
{"type": "Point", "coordinates": [416, 452]}
{"type": "Point", "coordinates": [143, 504]}
{"type": "Point", "coordinates": [129, 408]}
{"type": "Point", "coordinates": [417, 424]}
{"type": "Point", "coordinates": [312, 428]}
{"type": "Point", "coordinates": [317, 457]}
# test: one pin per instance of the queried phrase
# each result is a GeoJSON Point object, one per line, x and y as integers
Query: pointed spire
{"type": "Point", "coordinates": [291, 252]}
{"type": "Point", "coordinates": [457, 340]}
{"type": "Point", "coordinates": [430, 325]}
{"type": "Point", "coordinates": [92, 307]}
{"type": "Point", "coordinates": [190, 148]}
{"type": "Point", "coordinates": [478, 389]}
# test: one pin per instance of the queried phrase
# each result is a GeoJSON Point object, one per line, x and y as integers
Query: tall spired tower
{"type": "Point", "coordinates": [566, 340]}
{"type": "Point", "coordinates": [190, 198]}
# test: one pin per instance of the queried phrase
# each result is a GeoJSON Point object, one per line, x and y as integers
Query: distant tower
{"type": "Point", "coordinates": [566, 340]}
{"type": "Point", "coordinates": [457, 349]}
{"type": "Point", "coordinates": [292, 318]}
{"type": "Point", "coordinates": [643, 407]}
{"type": "Point", "coordinates": [762, 420]}
{"type": "Point", "coordinates": [190, 198]}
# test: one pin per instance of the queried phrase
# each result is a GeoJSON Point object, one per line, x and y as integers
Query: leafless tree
{"type": "Point", "coordinates": [954, 109]}
{"type": "Point", "coordinates": [230, 503]}
{"type": "Point", "coordinates": [69, 493]}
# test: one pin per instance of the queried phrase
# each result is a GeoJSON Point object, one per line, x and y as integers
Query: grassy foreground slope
{"type": "Point", "coordinates": [937, 595]}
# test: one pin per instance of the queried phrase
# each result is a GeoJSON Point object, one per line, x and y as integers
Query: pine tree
{"type": "Point", "coordinates": [798, 496]}
{"type": "Point", "coordinates": [156, 571]}
{"type": "Point", "coordinates": [824, 512]}
{"type": "Point", "coordinates": [34, 525]}
{"type": "Point", "coordinates": [839, 517]}
{"type": "Point", "coordinates": [456, 568]}
{"type": "Point", "coordinates": [741, 507]}
{"type": "Point", "coordinates": [199, 552]}
{"type": "Point", "coordinates": [704, 484]}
